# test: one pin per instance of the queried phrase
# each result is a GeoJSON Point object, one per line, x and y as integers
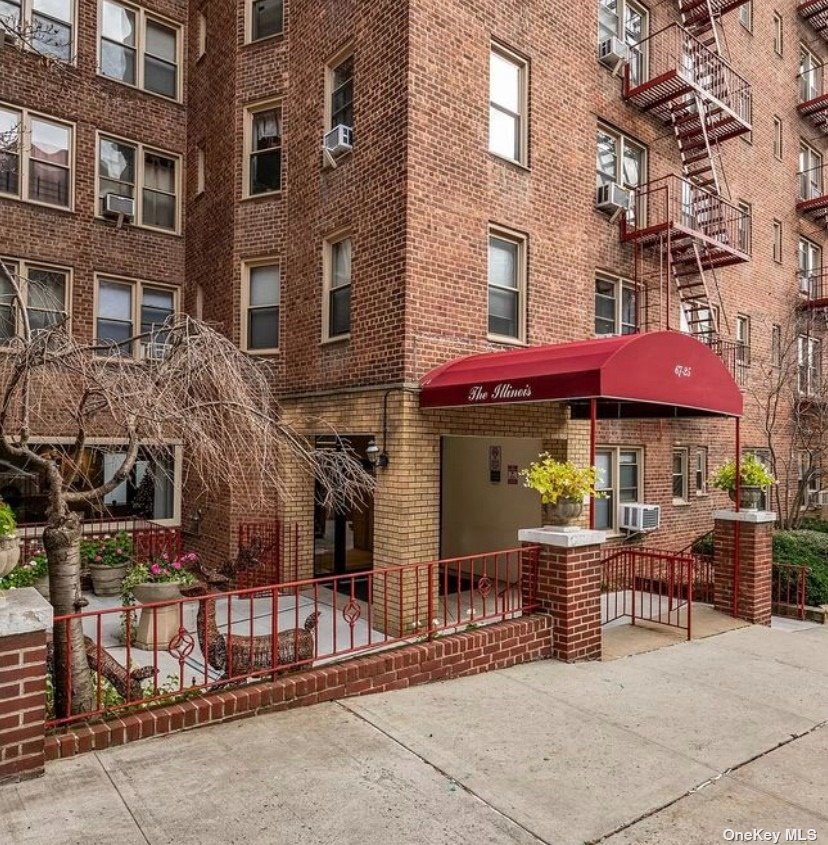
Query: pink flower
{"type": "Point", "coordinates": [177, 565]}
{"type": "Point", "coordinates": [155, 569]}
{"type": "Point", "coordinates": [98, 558]}
{"type": "Point", "coordinates": [119, 551]}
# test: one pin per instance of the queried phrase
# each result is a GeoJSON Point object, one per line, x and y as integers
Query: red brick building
{"type": "Point", "coordinates": [362, 191]}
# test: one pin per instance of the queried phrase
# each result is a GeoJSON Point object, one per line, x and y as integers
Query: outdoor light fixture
{"type": "Point", "coordinates": [375, 457]}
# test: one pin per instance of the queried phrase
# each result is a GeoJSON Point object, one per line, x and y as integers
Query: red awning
{"type": "Point", "coordinates": [658, 372]}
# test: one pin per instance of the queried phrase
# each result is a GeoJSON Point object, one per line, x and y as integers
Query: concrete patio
{"type": "Point", "coordinates": [672, 746]}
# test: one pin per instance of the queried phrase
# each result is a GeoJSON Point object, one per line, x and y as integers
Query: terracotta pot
{"type": "Point", "coordinates": [9, 554]}
{"type": "Point", "coordinates": [750, 497]}
{"type": "Point", "coordinates": [107, 580]}
{"type": "Point", "coordinates": [563, 512]}
{"type": "Point", "coordinates": [157, 626]}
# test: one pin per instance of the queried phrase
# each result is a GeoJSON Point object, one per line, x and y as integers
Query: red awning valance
{"type": "Point", "coordinates": [662, 371]}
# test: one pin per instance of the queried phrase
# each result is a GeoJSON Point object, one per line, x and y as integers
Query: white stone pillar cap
{"type": "Point", "coordinates": [562, 537]}
{"type": "Point", "coordinates": [23, 611]}
{"type": "Point", "coordinates": [755, 517]}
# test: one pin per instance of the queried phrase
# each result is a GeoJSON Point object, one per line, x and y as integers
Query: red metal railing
{"type": "Point", "coordinates": [813, 287]}
{"type": "Point", "coordinates": [673, 202]}
{"type": "Point", "coordinates": [268, 553]}
{"type": "Point", "coordinates": [202, 641]}
{"type": "Point", "coordinates": [735, 356]}
{"type": "Point", "coordinates": [648, 585]}
{"type": "Point", "coordinates": [789, 583]}
{"type": "Point", "coordinates": [811, 185]}
{"type": "Point", "coordinates": [674, 61]}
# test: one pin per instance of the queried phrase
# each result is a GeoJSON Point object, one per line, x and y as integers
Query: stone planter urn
{"type": "Point", "coordinates": [107, 580]}
{"type": "Point", "coordinates": [157, 626]}
{"type": "Point", "coordinates": [9, 554]}
{"type": "Point", "coordinates": [563, 512]}
{"type": "Point", "coordinates": [749, 497]}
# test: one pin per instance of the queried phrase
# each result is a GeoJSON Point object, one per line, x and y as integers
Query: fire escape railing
{"type": "Point", "coordinates": [813, 288]}
{"type": "Point", "coordinates": [815, 12]}
{"type": "Point", "coordinates": [813, 101]}
{"type": "Point", "coordinates": [812, 193]}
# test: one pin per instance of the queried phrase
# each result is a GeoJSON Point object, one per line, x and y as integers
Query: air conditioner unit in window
{"type": "Point", "coordinates": [613, 199]}
{"type": "Point", "coordinates": [613, 52]}
{"type": "Point", "coordinates": [339, 140]}
{"type": "Point", "coordinates": [640, 518]}
{"type": "Point", "coordinates": [116, 205]}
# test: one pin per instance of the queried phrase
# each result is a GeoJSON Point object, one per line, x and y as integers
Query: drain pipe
{"type": "Point", "coordinates": [593, 414]}
{"type": "Point", "coordinates": [737, 527]}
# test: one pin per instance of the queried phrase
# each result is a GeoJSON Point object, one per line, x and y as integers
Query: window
{"type": "Point", "coordinates": [680, 479]}
{"type": "Point", "coordinates": [266, 18]}
{"type": "Point", "coordinates": [615, 306]}
{"type": "Point", "coordinates": [201, 170]}
{"type": "Point", "coordinates": [700, 320]}
{"type": "Point", "coordinates": [149, 177]}
{"type": "Point", "coordinates": [48, 25]}
{"type": "Point", "coordinates": [810, 75]}
{"type": "Point", "coordinates": [620, 159]}
{"type": "Point", "coordinates": [138, 49]}
{"type": "Point", "coordinates": [507, 105]}
{"type": "Point", "coordinates": [263, 138]}
{"type": "Point", "coordinates": [777, 33]}
{"type": "Point", "coordinates": [777, 137]}
{"type": "Point", "coordinates": [629, 21]}
{"type": "Point", "coordinates": [743, 232]}
{"type": "Point", "coordinates": [340, 83]}
{"type": "Point", "coordinates": [742, 340]}
{"type": "Point", "coordinates": [507, 284]}
{"type": "Point", "coordinates": [810, 267]}
{"type": "Point", "coordinates": [201, 48]}
{"type": "Point", "coordinates": [746, 15]}
{"type": "Point", "coordinates": [777, 241]}
{"type": "Point", "coordinates": [118, 303]}
{"type": "Point", "coordinates": [618, 476]}
{"type": "Point", "coordinates": [776, 345]}
{"type": "Point", "coordinates": [39, 170]}
{"type": "Point", "coordinates": [261, 322]}
{"type": "Point", "coordinates": [810, 365]}
{"type": "Point", "coordinates": [810, 172]}
{"type": "Point", "coordinates": [337, 293]}
{"type": "Point", "coordinates": [701, 470]}
{"type": "Point", "coordinates": [44, 289]}
{"type": "Point", "coordinates": [809, 474]}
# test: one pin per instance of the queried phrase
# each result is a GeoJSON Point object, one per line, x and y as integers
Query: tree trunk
{"type": "Point", "coordinates": [74, 688]}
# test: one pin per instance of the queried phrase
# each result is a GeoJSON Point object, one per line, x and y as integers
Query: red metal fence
{"type": "Point", "coordinates": [268, 553]}
{"type": "Point", "coordinates": [788, 588]}
{"type": "Point", "coordinates": [207, 639]}
{"type": "Point", "coordinates": [648, 585]}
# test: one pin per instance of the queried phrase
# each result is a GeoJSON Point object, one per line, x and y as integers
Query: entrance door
{"type": "Point", "coordinates": [343, 539]}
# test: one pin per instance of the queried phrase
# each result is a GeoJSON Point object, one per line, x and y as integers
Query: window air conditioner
{"type": "Point", "coordinates": [339, 140]}
{"type": "Point", "coordinates": [613, 52]}
{"type": "Point", "coordinates": [118, 206]}
{"type": "Point", "coordinates": [612, 198]}
{"type": "Point", "coordinates": [640, 518]}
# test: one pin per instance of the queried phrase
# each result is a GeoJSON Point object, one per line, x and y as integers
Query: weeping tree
{"type": "Point", "coordinates": [188, 385]}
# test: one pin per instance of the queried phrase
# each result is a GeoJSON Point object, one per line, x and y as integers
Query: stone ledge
{"type": "Point", "coordinates": [23, 611]}
{"type": "Point", "coordinates": [562, 538]}
{"type": "Point", "coordinates": [754, 517]}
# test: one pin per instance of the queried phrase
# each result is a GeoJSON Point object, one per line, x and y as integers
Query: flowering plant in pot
{"type": "Point", "coordinates": [562, 485]}
{"type": "Point", "coordinates": [108, 561]}
{"type": "Point", "coordinates": [9, 544]}
{"type": "Point", "coordinates": [31, 573]}
{"type": "Point", "coordinates": [753, 475]}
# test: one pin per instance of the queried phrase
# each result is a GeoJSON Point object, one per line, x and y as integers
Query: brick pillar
{"type": "Point", "coordinates": [755, 529]}
{"type": "Point", "coordinates": [25, 616]}
{"type": "Point", "coordinates": [569, 588]}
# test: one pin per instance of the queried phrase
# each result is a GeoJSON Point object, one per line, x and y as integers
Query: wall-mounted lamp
{"type": "Point", "coordinates": [375, 457]}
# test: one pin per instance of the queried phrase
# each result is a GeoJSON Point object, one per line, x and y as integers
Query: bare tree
{"type": "Point", "coordinates": [190, 385]}
{"type": "Point", "coordinates": [791, 400]}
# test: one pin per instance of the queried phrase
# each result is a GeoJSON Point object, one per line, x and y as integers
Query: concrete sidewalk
{"type": "Point", "coordinates": [672, 746]}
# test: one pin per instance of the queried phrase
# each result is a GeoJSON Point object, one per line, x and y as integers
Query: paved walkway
{"type": "Point", "coordinates": [672, 746]}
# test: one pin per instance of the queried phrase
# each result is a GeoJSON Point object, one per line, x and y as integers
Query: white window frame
{"type": "Point", "coordinates": [522, 269]}
{"type": "Point", "coordinates": [142, 17]}
{"type": "Point", "coordinates": [615, 452]}
{"type": "Point", "coordinates": [620, 32]}
{"type": "Point", "coordinates": [327, 287]}
{"type": "Point", "coordinates": [201, 36]}
{"type": "Point", "coordinates": [27, 16]}
{"type": "Point", "coordinates": [809, 369]}
{"type": "Point", "coordinates": [248, 24]}
{"type": "Point", "coordinates": [331, 65]}
{"type": "Point", "coordinates": [778, 34]}
{"type": "Point", "coordinates": [810, 74]}
{"type": "Point", "coordinates": [809, 265]}
{"type": "Point", "coordinates": [777, 241]}
{"type": "Point", "coordinates": [247, 266]}
{"type": "Point", "coordinates": [746, 15]}
{"type": "Point", "coordinates": [683, 453]}
{"type": "Point", "coordinates": [814, 482]}
{"type": "Point", "coordinates": [140, 151]}
{"type": "Point", "coordinates": [250, 111]}
{"type": "Point", "coordinates": [744, 228]}
{"type": "Point", "coordinates": [701, 470]}
{"type": "Point", "coordinates": [521, 117]}
{"type": "Point", "coordinates": [811, 162]}
{"type": "Point", "coordinates": [23, 266]}
{"type": "Point", "coordinates": [743, 332]}
{"type": "Point", "coordinates": [24, 153]}
{"type": "Point", "coordinates": [136, 287]}
{"type": "Point", "coordinates": [778, 139]}
{"type": "Point", "coordinates": [620, 284]}
{"type": "Point", "coordinates": [622, 141]}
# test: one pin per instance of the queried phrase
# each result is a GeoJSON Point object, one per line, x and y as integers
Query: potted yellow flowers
{"type": "Point", "coordinates": [562, 485]}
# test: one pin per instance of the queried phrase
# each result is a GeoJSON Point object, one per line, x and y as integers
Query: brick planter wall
{"type": "Point", "coordinates": [492, 647]}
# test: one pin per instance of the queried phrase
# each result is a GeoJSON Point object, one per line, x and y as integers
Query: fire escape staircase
{"type": "Point", "coordinates": [815, 12]}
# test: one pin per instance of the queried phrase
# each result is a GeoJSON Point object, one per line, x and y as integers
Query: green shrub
{"type": "Point", "coordinates": [8, 524]}
{"type": "Point", "coordinates": [704, 545]}
{"type": "Point", "coordinates": [807, 548]}
{"type": "Point", "coordinates": [26, 573]}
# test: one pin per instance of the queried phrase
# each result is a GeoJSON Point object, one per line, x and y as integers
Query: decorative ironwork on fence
{"type": "Point", "coordinates": [788, 589]}
{"type": "Point", "coordinates": [268, 553]}
{"type": "Point", "coordinates": [216, 638]}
